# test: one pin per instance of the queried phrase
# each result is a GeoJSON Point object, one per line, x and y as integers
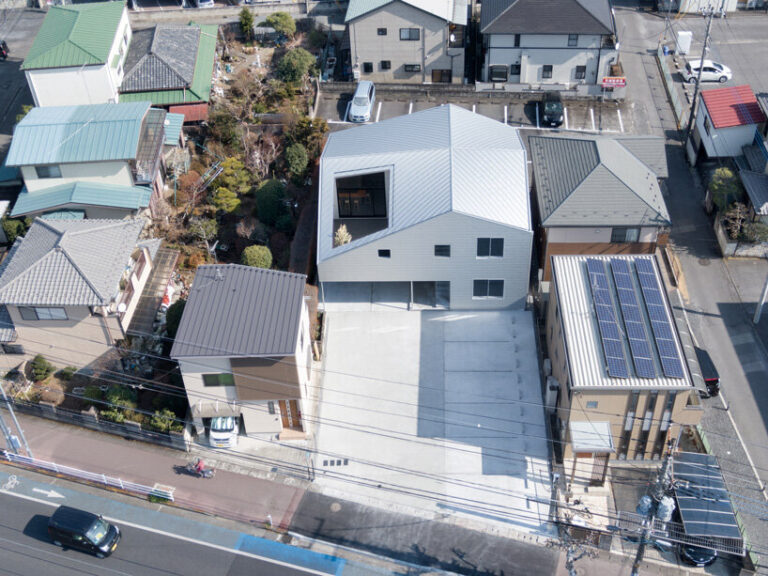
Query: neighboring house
{"type": "Point", "coordinates": [71, 287]}
{"type": "Point", "coordinates": [696, 6]}
{"type": "Point", "coordinates": [598, 195]}
{"type": "Point", "coordinates": [171, 66]}
{"type": "Point", "coordinates": [436, 203]}
{"type": "Point", "coordinates": [622, 381]}
{"type": "Point", "coordinates": [243, 347]}
{"type": "Point", "coordinates": [727, 121]}
{"type": "Point", "coordinates": [552, 44]}
{"type": "Point", "coordinates": [407, 40]}
{"type": "Point", "coordinates": [116, 145]}
{"type": "Point", "coordinates": [78, 54]}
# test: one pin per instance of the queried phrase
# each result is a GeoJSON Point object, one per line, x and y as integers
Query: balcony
{"type": "Point", "coordinates": [360, 227]}
{"type": "Point", "coordinates": [456, 36]}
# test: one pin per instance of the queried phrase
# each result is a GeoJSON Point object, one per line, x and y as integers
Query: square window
{"type": "Point", "coordinates": [443, 250]}
{"type": "Point", "coordinates": [581, 72]}
{"type": "Point", "coordinates": [386, 64]}
{"type": "Point", "coordinates": [497, 73]}
{"type": "Point", "coordinates": [592, 404]}
{"type": "Point", "coordinates": [50, 171]}
{"type": "Point", "coordinates": [325, 462]}
{"type": "Point", "coordinates": [381, 31]}
{"type": "Point", "coordinates": [385, 253]}
{"type": "Point", "coordinates": [368, 67]}
{"type": "Point", "coordinates": [413, 67]}
{"type": "Point", "coordinates": [573, 40]}
{"type": "Point", "coordinates": [546, 71]}
{"type": "Point", "coordinates": [514, 69]}
{"type": "Point", "coordinates": [490, 247]}
{"type": "Point", "coordinates": [410, 34]}
{"type": "Point", "coordinates": [488, 289]}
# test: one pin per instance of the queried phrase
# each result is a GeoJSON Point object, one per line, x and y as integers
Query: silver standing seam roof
{"type": "Point", "coordinates": [440, 160]}
{"type": "Point", "coordinates": [586, 361]}
{"type": "Point", "coordinates": [449, 10]}
{"type": "Point", "coordinates": [240, 311]}
{"type": "Point", "coordinates": [599, 181]}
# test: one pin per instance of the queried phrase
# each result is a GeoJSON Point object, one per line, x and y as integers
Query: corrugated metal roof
{"type": "Point", "coordinates": [241, 311]}
{"type": "Point", "coordinates": [449, 10]}
{"type": "Point", "coordinates": [68, 262]}
{"type": "Point", "coordinates": [75, 35]}
{"type": "Point", "coordinates": [589, 436]}
{"type": "Point", "coordinates": [732, 106]}
{"type": "Point", "coordinates": [83, 193]}
{"type": "Point", "coordinates": [440, 160]}
{"type": "Point", "coordinates": [594, 182]}
{"type": "Point", "coordinates": [161, 58]}
{"type": "Point", "coordinates": [546, 17]}
{"type": "Point", "coordinates": [756, 185]}
{"type": "Point", "coordinates": [173, 126]}
{"type": "Point", "coordinates": [88, 133]}
{"type": "Point", "coordinates": [582, 336]}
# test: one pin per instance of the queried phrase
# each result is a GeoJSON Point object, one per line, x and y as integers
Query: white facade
{"type": "Point", "coordinates": [580, 235]}
{"type": "Point", "coordinates": [722, 142]}
{"type": "Point", "coordinates": [116, 172]}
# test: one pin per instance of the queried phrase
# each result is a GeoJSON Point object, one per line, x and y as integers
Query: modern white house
{"type": "Point", "coordinates": [411, 41]}
{"type": "Point", "coordinates": [557, 44]}
{"type": "Point", "coordinates": [243, 347]}
{"type": "Point", "coordinates": [437, 212]}
{"type": "Point", "coordinates": [78, 54]}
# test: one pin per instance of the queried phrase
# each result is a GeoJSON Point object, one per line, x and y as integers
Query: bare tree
{"type": "Point", "coordinates": [245, 227]}
{"type": "Point", "coordinates": [265, 151]}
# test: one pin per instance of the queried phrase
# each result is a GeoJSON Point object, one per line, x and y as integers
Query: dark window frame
{"type": "Point", "coordinates": [515, 69]}
{"type": "Point", "coordinates": [442, 250]}
{"type": "Point", "coordinates": [581, 73]}
{"type": "Point", "coordinates": [367, 67]}
{"type": "Point", "coordinates": [381, 31]}
{"type": "Point", "coordinates": [407, 34]}
{"type": "Point", "coordinates": [490, 248]}
{"type": "Point", "coordinates": [412, 67]}
{"type": "Point", "coordinates": [547, 70]}
{"type": "Point", "coordinates": [385, 64]}
{"type": "Point", "coordinates": [46, 171]}
{"type": "Point", "coordinates": [207, 380]}
{"type": "Point", "coordinates": [573, 40]}
{"type": "Point", "coordinates": [488, 289]}
{"type": "Point", "coordinates": [517, 40]}
{"type": "Point", "coordinates": [620, 234]}
{"type": "Point", "coordinates": [32, 313]}
{"type": "Point", "coordinates": [385, 253]}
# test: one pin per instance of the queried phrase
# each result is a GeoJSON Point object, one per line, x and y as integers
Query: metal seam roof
{"type": "Point", "coordinates": [732, 106]}
{"type": "Point", "coordinates": [83, 193]}
{"type": "Point", "coordinates": [448, 10]}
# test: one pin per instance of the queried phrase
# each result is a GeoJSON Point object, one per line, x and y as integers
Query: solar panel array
{"type": "Point", "coordinates": [661, 324]}
{"type": "Point", "coordinates": [606, 319]}
{"type": "Point", "coordinates": [642, 355]}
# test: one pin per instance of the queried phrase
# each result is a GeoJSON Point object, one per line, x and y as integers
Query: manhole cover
{"type": "Point", "coordinates": [705, 261]}
{"type": "Point", "coordinates": [335, 507]}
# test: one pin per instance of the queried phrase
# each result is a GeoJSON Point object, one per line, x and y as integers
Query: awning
{"type": "Point", "coordinates": [592, 437]}
{"type": "Point", "coordinates": [213, 409]}
{"type": "Point", "coordinates": [191, 112]}
{"type": "Point", "coordinates": [173, 124]}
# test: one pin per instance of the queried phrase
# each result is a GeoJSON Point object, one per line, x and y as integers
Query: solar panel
{"type": "Point", "coordinates": [661, 324]}
{"type": "Point", "coordinates": [633, 319]}
{"type": "Point", "coordinates": [606, 320]}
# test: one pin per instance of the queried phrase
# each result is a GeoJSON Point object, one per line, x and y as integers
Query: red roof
{"type": "Point", "coordinates": [732, 106]}
{"type": "Point", "coordinates": [192, 112]}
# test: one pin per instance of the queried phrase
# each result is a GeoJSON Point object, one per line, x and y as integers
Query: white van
{"type": "Point", "coordinates": [362, 102]}
{"type": "Point", "coordinates": [224, 431]}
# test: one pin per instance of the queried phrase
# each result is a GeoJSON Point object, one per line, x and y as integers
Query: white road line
{"type": "Point", "coordinates": [473, 108]}
{"type": "Point", "coordinates": [410, 107]}
{"type": "Point", "coordinates": [121, 522]}
{"type": "Point", "coordinates": [346, 112]}
{"type": "Point", "coordinates": [505, 113]}
{"type": "Point", "coordinates": [565, 112]}
{"type": "Point", "coordinates": [621, 123]}
{"type": "Point", "coordinates": [538, 125]}
{"type": "Point", "coordinates": [378, 111]}
{"type": "Point", "coordinates": [592, 115]}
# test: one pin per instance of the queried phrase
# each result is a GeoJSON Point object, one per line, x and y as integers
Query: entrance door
{"type": "Point", "coordinates": [290, 414]}
{"type": "Point", "coordinates": [599, 467]}
{"type": "Point", "coordinates": [441, 76]}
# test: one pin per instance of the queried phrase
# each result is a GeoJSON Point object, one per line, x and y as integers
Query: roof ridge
{"type": "Point", "coordinates": [451, 151]}
{"type": "Point", "coordinates": [63, 249]}
{"type": "Point", "coordinates": [172, 69]}
{"type": "Point", "coordinates": [500, 14]}
{"type": "Point", "coordinates": [632, 190]}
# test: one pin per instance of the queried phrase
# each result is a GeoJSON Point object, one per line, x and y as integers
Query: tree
{"type": "Point", "coordinates": [165, 421]}
{"type": "Point", "coordinates": [270, 201]}
{"type": "Point", "coordinates": [173, 317]}
{"type": "Point", "coordinates": [725, 188]}
{"type": "Point", "coordinates": [41, 368]}
{"type": "Point", "coordinates": [734, 219]}
{"type": "Point", "coordinates": [295, 65]}
{"type": "Point", "coordinates": [225, 128]}
{"type": "Point", "coordinates": [310, 132]}
{"type": "Point", "coordinates": [263, 154]}
{"type": "Point", "coordinates": [342, 236]}
{"type": "Point", "coordinates": [257, 256]}
{"type": "Point", "coordinates": [25, 108]}
{"type": "Point", "coordinates": [246, 23]}
{"type": "Point", "coordinates": [234, 176]}
{"type": "Point", "coordinates": [14, 228]}
{"type": "Point", "coordinates": [283, 23]}
{"type": "Point", "coordinates": [296, 159]}
{"type": "Point", "coordinates": [225, 200]}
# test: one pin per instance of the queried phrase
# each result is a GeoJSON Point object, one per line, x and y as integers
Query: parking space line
{"type": "Point", "coordinates": [592, 115]}
{"type": "Point", "coordinates": [621, 123]}
{"type": "Point", "coordinates": [410, 107]}
{"type": "Point", "coordinates": [565, 113]}
{"type": "Point", "coordinates": [473, 108]}
{"type": "Point", "coordinates": [505, 113]}
{"type": "Point", "coordinates": [378, 111]}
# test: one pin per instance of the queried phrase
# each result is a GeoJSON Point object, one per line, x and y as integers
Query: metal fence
{"type": "Point", "coordinates": [669, 85]}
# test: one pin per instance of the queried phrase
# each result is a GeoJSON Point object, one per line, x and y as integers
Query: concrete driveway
{"type": "Point", "coordinates": [435, 414]}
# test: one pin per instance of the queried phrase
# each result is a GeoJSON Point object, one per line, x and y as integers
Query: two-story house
{"type": "Point", "coordinates": [596, 195]}
{"type": "Point", "coordinates": [101, 160]}
{"type": "Point", "coordinates": [551, 44]}
{"type": "Point", "coordinates": [70, 287]}
{"type": "Point", "coordinates": [78, 54]}
{"type": "Point", "coordinates": [418, 41]}
{"type": "Point", "coordinates": [436, 212]}
{"type": "Point", "coordinates": [243, 347]}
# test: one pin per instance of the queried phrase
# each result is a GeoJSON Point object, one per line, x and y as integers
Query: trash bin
{"type": "Point", "coordinates": [665, 49]}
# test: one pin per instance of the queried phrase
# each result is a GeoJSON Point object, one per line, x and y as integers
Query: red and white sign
{"type": "Point", "coordinates": [614, 81]}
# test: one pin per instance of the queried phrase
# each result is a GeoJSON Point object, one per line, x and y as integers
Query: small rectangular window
{"type": "Point", "coordinates": [497, 73]}
{"type": "Point", "coordinates": [514, 69]}
{"type": "Point", "coordinates": [50, 171]}
{"type": "Point", "coordinates": [412, 67]}
{"type": "Point", "coordinates": [385, 253]}
{"type": "Point", "coordinates": [546, 71]}
{"type": "Point", "coordinates": [51, 313]}
{"type": "Point", "coordinates": [517, 40]}
{"type": "Point", "coordinates": [581, 72]}
{"type": "Point", "coordinates": [490, 247]}
{"type": "Point", "coordinates": [624, 235]}
{"type": "Point", "coordinates": [707, 125]}
{"type": "Point", "coordinates": [410, 34]}
{"type": "Point", "coordinates": [27, 313]}
{"type": "Point", "coordinates": [381, 31]}
{"type": "Point", "coordinates": [368, 67]}
{"type": "Point", "coordinates": [488, 289]}
{"type": "Point", "coordinates": [573, 40]}
{"type": "Point", "coordinates": [218, 380]}
{"type": "Point", "coordinates": [271, 407]}
{"type": "Point", "coordinates": [443, 250]}
{"type": "Point", "coordinates": [386, 64]}
{"type": "Point", "coordinates": [592, 404]}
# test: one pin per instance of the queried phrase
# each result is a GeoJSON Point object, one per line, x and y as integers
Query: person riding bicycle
{"type": "Point", "coordinates": [200, 466]}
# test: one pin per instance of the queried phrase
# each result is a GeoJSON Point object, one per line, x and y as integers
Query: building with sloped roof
{"type": "Point", "coordinates": [71, 286]}
{"type": "Point", "coordinates": [78, 54]}
{"type": "Point", "coordinates": [598, 195]}
{"type": "Point", "coordinates": [436, 207]}
{"type": "Point", "coordinates": [407, 41]}
{"type": "Point", "coordinates": [243, 347]}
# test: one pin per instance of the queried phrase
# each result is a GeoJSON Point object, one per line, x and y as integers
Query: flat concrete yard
{"type": "Point", "coordinates": [437, 414]}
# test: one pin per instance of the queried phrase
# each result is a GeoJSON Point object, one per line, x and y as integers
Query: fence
{"type": "Point", "coordinates": [669, 85]}
{"type": "Point", "coordinates": [159, 491]}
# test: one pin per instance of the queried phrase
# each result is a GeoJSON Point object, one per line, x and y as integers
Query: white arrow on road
{"type": "Point", "coordinates": [49, 493]}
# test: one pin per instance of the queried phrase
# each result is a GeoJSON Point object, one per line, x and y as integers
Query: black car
{"type": "Point", "coordinates": [553, 109]}
{"type": "Point", "coordinates": [697, 556]}
{"type": "Point", "coordinates": [708, 372]}
{"type": "Point", "coordinates": [73, 528]}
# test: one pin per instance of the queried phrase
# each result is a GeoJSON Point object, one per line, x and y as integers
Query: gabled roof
{"type": "Point", "coordinates": [449, 10]}
{"type": "Point", "coordinates": [75, 35]}
{"type": "Point", "coordinates": [241, 311]}
{"type": "Point", "coordinates": [732, 106]}
{"type": "Point", "coordinates": [82, 193]}
{"type": "Point", "coordinates": [88, 133]}
{"type": "Point", "coordinates": [546, 17]}
{"type": "Point", "coordinates": [68, 262]}
{"type": "Point", "coordinates": [444, 159]}
{"type": "Point", "coordinates": [161, 58]}
{"type": "Point", "coordinates": [153, 77]}
{"type": "Point", "coordinates": [597, 181]}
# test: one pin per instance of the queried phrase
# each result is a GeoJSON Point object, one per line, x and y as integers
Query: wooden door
{"type": "Point", "coordinates": [290, 414]}
{"type": "Point", "coordinates": [599, 467]}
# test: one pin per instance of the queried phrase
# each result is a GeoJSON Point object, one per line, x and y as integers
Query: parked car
{"type": "Point", "coordinates": [712, 72]}
{"type": "Point", "coordinates": [224, 431]}
{"type": "Point", "coordinates": [552, 114]}
{"type": "Point", "coordinates": [696, 556]}
{"type": "Point", "coordinates": [708, 372]}
{"type": "Point", "coordinates": [73, 528]}
{"type": "Point", "coordinates": [205, 4]}
{"type": "Point", "coordinates": [362, 102]}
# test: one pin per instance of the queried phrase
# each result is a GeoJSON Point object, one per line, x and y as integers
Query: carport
{"type": "Point", "coordinates": [364, 296]}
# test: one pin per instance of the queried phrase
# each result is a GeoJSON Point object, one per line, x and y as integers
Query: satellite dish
{"type": "Point", "coordinates": [122, 307]}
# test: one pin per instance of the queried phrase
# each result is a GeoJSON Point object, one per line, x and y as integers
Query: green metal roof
{"type": "Point", "coordinates": [200, 89]}
{"type": "Point", "coordinates": [84, 193]}
{"type": "Point", "coordinates": [64, 215]}
{"type": "Point", "coordinates": [88, 133]}
{"type": "Point", "coordinates": [75, 35]}
{"type": "Point", "coordinates": [173, 124]}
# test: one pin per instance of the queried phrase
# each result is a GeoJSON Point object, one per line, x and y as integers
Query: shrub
{"type": "Point", "coordinates": [316, 39]}
{"type": "Point", "coordinates": [41, 368]}
{"type": "Point", "coordinates": [246, 23]}
{"type": "Point", "coordinates": [734, 219]}
{"type": "Point", "coordinates": [14, 228]}
{"type": "Point", "coordinates": [173, 317]}
{"type": "Point", "coordinates": [225, 200]}
{"type": "Point", "coordinates": [92, 395]}
{"type": "Point", "coordinates": [310, 132]}
{"type": "Point", "coordinates": [755, 231]}
{"type": "Point", "coordinates": [296, 159]}
{"type": "Point", "coordinates": [294, 65]}
{"type": "Point", "coordinates": [112, 415]}
{"type": "Point", "coordinates": [234, 176]}
{"type": "Point", "coordinates": [725, 188]}
{"type": "Point", "coordinates": [285, 224]}
{"type": "Point", "coordinates": [257, 256]}
{"type": "Point", "coordinates": [165, 421]}
{"type": "Point", "coordinates": [24, 111]}
{"type": "Point", "coordinates": [204, 229]}
{"type": "Point", "coordinates": [342, 236]}
{"type": "Point", "coordinates": [196, 259]}
{"type": "Point", "coordinates": [225, 128]}
{"type": "Point", "coordinates": [270, 198]}
{"type": "Point", "coordinates": [282, 22]}
{"type": "Point", "coordinates": [122, 397]}
{"type": "Point", "coordinates": [66, 373]}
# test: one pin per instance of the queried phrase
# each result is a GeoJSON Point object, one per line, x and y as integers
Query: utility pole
{"type": "Point", "coordinates": [759, 310]}
{"type": "Point", "coordinates": [15, 422]}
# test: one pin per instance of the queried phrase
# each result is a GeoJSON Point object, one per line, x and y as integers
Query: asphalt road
{"type": "Point", "coordinates": [25, 549]}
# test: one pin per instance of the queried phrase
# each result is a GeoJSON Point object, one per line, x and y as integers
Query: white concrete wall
{"type": "Point", "coordinates": [723, 142]}
{"type": "Point", "coordinates": [413, 259]}
{"type": "Point", "coordinates": [430, 51]}
{"type": "Point", "coordinates": [192, 371]}
{"type": "Point", "coordinates": [120, 45]}
{"type": "Point", "coordinates": [694, 6]}
{"type": "Point", "coordinates": [303, 354]}
{"type": "Point", "coordinates": [114, 172]}
{"type": "Point", "coordinates": [586, 234]}
{"type": "Point", "coordinates": [137, 282]}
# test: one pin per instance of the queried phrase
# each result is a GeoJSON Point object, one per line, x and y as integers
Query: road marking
{"type": "Point", "coordinates": [621, 123]}
{"type": "Point", "coordinates": [505, 113]}
{"type": "Point", "coordinates": [378, 111]}
{"type": "Point", "coordinates": [592, 115]}
{"type": "Point", "coordinates": [11, 483]}
{"type": "Point", "coordinates": [538, 126]}
{"type": "Point", "coordinates": [49, 493]}
{"type": "Point", "coordinates": [410, 107]}
{"type": "Point", "coordinates": [346, 112]}
{"type": "Point", "coordinates": [473, 108]}
{"type": "Point", "coordinates": [565, 113]}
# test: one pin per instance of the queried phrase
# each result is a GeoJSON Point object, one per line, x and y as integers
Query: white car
{"type": "Point", "coordinates": [712, 72]}
{"type": "Point", "coordinates": [224, 431]}
{"type": "Point", "coordinates": [362, 102]}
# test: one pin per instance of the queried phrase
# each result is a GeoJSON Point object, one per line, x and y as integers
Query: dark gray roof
{"type": "Point", "coordinates": [161, 58]}
{"type": "Point", "coordinates": [546, 17]}
{"type": "Point", "coordinates": [240, 311]}
{"type": "Point", "coordinates": [594, 182]}
{"type": "Point", "coordinates": [756, 185]}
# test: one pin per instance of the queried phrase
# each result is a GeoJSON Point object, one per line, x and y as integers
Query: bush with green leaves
{"type": "Point", "coordinates": [234, 176]}
{"type": "Point", "coordinates": [755, 232]}
{"type": "Point", "coordinates": [282, 22]}
{"type": "Point", "coordinates": [66, 373]}
{"type": "Point", "coordinates": [225, 128]}
{"type": "Point", "coordinates": [246, 23]}
{"type": "Point", "coordinates": [41, 368]}
{"type": "Point", "coordinates": [725, 188]}
{"type": "Point", "coordinates": [165, 421]}
{"type": "Point", "coordinates": [225, 200]}
{"type": "Point", "coordinates": [296, 159]}
{"type": "Point", "coordinates": [113, 415]}
{"type": "Point", "coordinates": [257, 256]}
{"type": "Point", "coordinates": [93, 396]}
{"type": "Point", "coordinates": [121, 396]}
{"type": "Point", "coordinates": [294, 65]}
{"type": "Point", "coordinates": [270, 201]}
{"type": "Point", "coordinates": [285, 224]}
{"type": "Point", "coordinates": [310, 132]}
{"type": "Point", "coordinates": [13, 228]}
{"type": "Point", "coordinates": [173, 317]}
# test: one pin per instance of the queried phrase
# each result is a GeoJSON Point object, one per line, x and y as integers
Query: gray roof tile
{"type": "Point", "coordinates": [546, 17]}
{"type": "Point", "coordinates": [161, 58]}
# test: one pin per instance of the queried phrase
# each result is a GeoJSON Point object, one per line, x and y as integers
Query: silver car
{"type": "Point", "coordinates": [362, 102]}
{"type": "Point", "coordinates": [711, 72]}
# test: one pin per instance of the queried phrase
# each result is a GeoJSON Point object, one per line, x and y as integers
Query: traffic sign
{"type": "Point", "coordinates": [614, 81]}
